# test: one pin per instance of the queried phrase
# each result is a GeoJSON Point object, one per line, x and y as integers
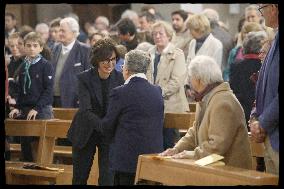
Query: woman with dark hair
{"type": "Point", "coordinates": [94, 86]}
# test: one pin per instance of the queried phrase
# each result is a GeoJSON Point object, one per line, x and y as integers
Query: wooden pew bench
{"type": "Point", "coordinates": [182, 172]}
{"type": "Point", "coordinates": [15, 174]}
{"type": "Point", "coordinates": [64, 113]}
{"type": "Point", "coordinates": [179, 120]}
{"type": "Point", "coordinates": [48, 131]}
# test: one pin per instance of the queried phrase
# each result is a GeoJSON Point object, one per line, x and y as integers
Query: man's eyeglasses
{"type": "Point", "coordinates": [262, 7]}
{"type": "Point", "coordinates": [111, 60]}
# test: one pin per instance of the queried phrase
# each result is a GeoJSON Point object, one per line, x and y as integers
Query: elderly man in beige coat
{"type": "Point", "coordinates": [220, 125]}
{"type": "Point", "coordinates": [168, 70]}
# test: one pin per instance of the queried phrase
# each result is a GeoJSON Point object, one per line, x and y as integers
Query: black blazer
{"type": "Point", "coordinates": [91, 108]}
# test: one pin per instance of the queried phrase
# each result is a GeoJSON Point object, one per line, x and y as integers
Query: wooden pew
{"type": "Point", "coordinates": [64, 113]}
{"type": "Point", "coordinates": [192, 106]}
{"type": "Point", "coordinates": [179, 120]}
{"type": "Point", "coordinates": [48, 131]}
{"type": "Point", "coordinates": [181, 172]}
{"type": "Point", "coordinates": [15, 174]}
{"type": "Point", "coordinates": [28, 128]}
{"type": "Point", "coordinates": [58, 129]}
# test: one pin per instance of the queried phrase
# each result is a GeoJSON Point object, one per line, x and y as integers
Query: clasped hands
{"type": "Point", "coordinates": [31, 115]}
{"type": "Point", "coordinates": [257, 132]}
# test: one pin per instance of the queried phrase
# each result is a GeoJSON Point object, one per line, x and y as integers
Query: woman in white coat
{"type": "Point", "coordinates": [168, 69]}
{"type": "Point", "coordinates": [204, 43]}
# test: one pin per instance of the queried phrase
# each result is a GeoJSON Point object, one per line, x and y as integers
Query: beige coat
{"type": "Point", "coordinates": [222, 130]}
{"type": "Point", "coordinates": [181, 40]}
{"type": "Point", "coordinates": [170, 77]}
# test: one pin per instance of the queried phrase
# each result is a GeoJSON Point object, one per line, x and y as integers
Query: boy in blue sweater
{"type": "Point", "coordinates": [35, 86]}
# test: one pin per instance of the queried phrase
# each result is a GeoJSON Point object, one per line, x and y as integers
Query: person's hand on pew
{"type": "Point", "coordinates": [14, 113]}
{"type": "Point", "coordinates": [184, 155]}
{"type": "Point", "coordinates": [32, 114]}
{"type": "Point", "coordinates": [169, 152]}
{"type": "Point", "coordinates": [257, 132]}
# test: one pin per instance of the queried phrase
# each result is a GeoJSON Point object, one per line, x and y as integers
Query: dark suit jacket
{"type": "Point", "coordinates": [77, 61]}
{"type": "Point", "coordinates": [240, 82]}
{"type": "Point", "coordinates": [267, 94]}
{"type": "Point", "coordinates": [91, 106]}
{"type": "Point", "coordinates": [134, 122]}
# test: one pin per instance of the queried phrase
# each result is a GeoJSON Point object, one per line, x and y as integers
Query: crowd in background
{"type": "Point", "coordinates": [68, 50]}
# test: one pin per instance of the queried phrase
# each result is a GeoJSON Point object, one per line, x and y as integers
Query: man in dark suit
{"type": "Point", "coordinates": [70, 57]}
{"type": "Point", "coordinates": [264, 123]}
{"type": "Point", "coordinates": [134, 119]}
{"type": "Point", "coordinates": [93, 87]}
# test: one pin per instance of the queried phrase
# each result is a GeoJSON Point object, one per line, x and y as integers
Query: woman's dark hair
{"type": "Point", "coordinates": [102, 50]}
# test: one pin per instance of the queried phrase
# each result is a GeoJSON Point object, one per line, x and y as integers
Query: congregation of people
{"type": "Point", "coordinates": [124, 77]}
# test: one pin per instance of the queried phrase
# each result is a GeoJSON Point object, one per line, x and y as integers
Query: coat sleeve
{"type": "Point", "coordinates": [187, 142]}
{"type": "Point", "coordinates": [114, 110]}
{"type": "Point", "coordinates": [85, 104]}
{"type": "Point", "coordinates": [48, 80]}
{"type": "Point", "coordinates": [177, 76]}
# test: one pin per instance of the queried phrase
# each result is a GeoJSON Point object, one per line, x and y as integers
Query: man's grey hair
{"type": "Point", "coordinates": [253, 42]}
{"type": "Point", "coordinates": [137, 61]}
{"type": "Point", "coordinates": [129, 14]}
{"type": "Point", "coordinates": [253, 7]}
{"type": "Point", "coordinates": [206, 69]}
{"type": "Point", "coordinates": [103, 19]}
{"type": "Point", "coordinates": [211, 14]}
{"type": "Point", "coordinates": [42, 27]}
{"type": "Point", "coordinates": [72, 23]}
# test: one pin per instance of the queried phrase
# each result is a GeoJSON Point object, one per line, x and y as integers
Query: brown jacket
{"type": "Point", "coordinates": [222, 130]}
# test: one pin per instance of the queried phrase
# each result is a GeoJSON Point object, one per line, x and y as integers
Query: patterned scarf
{"type": "Point", "coordinates": [27, 63]}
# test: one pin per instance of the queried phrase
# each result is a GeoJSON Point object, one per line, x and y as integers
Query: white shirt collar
{"type": "Point", "coordinates": [67, 48]}
{"type": "Point", "coordinates": [12, 31]}
{"type": "Point", "coordinates": [141, 75]}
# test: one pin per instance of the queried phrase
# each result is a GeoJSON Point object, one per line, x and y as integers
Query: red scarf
{"type": "Point", "coordinates": [251, 56]}
{"type": "Point", "coordinates": [198, 96]}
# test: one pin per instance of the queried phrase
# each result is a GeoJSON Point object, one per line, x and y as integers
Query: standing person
{"type": "Point", "coordinates": [70, 57]}
{"type": "Point", "coordinates": [134, 120]}
{"type": "Point", "coordinates": [203, 42]}
{"type": "Point", "coordinates": [219, 125]}
{"type": "Point", "coordinates": [264, 122]}
{"type": "Point", "coordinates": [167, 70]}
{"type": "Point", "coordinates": [240, 72]}
{"type": "Point", "coordinates": [94, 86]}
{"type": "Point", "coordinates": [35, 90]}
{"type": "Point", "coordinates": [221, 34]}
{"type": "Point", "coordinates": [182, 36]}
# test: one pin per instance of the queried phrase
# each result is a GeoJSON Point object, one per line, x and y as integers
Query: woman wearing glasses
{"type": "Point", "coordinates": [94, 86]}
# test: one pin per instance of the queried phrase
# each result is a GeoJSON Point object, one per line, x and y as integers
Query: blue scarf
{"type": "Point", "coordinates": [27, 64]}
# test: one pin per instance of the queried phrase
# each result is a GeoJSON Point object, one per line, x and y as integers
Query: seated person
{"type": "Point", "coordinates": [220, 125]}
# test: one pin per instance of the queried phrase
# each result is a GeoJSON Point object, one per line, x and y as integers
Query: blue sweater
{"type": "Point", "coordinates": [40, 92]}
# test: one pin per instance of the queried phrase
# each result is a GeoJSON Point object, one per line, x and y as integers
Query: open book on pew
{"type": "Point", "coordinates": [213, 159]}
{"type": "Point", "coordinates": [41, 167]}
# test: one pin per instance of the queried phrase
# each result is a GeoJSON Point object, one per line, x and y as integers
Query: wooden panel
{"type": "Point", "coordinates": [24, 127]}
{"type": "Point", "coordinates": [58, 128]}
{"type": "Point", "coordinates": [64, 113]}
{"type": "Point", "coordinates": [257, 149]}
{"type": "Point", "coordinates": [182, 172]}
{"type": "Point", "coordinates": [179, 120]}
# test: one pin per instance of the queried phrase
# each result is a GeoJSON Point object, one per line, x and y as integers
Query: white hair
{"type": "Point", "coordinates": [72, 23]}
{"type": "Point", "coordinates": [252, 7]}
{"type": "Point", "coordinates": [144, 46]}
{"type": "Point", "coordinates": [211, 14]}
{"type": "Point", "coordinates": [42, 27]}
{"type": "Point", "coordinates": [206, 69]}
{"type": "Point", "coordinates": [129, 14]}
{"type": "Point", "coordinates": [103, 19]}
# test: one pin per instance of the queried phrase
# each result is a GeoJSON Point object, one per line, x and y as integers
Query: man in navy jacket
{"type": "Point", "coordinates": [264, 121]}
{"type": "Point", "coordinates": [70, 57]}
{"type": "Point", "coordinates": [134, 119]}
